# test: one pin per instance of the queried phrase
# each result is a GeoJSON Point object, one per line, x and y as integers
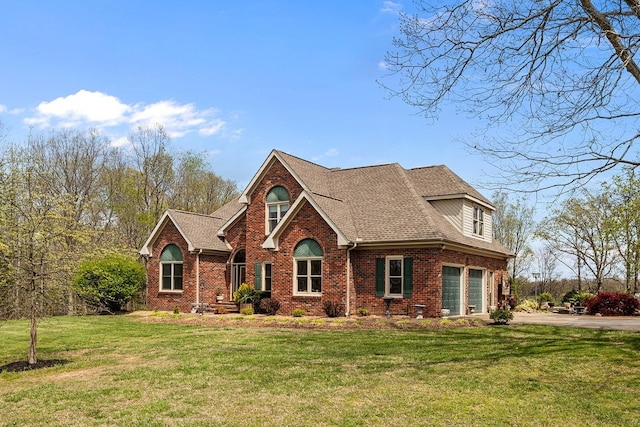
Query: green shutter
{"type": "Point", "coordinates": [258, 282]}
{"type": "Point", "coordinates": [379, 277]}
{"type": "Point", "coordinates": [408, 277]}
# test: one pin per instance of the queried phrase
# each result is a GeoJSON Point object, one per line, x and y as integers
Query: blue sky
{"type": "Point", "coordinates": [232, 79]}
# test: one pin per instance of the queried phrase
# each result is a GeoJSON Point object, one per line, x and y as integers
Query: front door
{"type": "Point", "coordinates": [238, 271]}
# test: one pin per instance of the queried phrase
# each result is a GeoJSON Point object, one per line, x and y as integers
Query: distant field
{"type": "Point", "coordinates": [126, 371]}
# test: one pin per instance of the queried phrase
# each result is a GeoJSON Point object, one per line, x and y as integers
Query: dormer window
{"type": "Point", "coordinates": [478, 221]}
{"type": "Point", "coordinates": [277, 207]}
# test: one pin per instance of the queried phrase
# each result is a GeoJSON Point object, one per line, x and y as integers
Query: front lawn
{"type": "Point", "coordinates": [123, 370]}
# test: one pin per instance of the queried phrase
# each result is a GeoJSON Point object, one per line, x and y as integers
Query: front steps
{"type": "Point", "coordinates": [217, 307]}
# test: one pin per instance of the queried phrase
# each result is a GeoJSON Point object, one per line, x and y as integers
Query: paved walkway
{"type": "Point", "coordinates": [621, 323]}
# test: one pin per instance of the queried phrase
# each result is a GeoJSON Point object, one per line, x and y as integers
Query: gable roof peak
{"type": "Point", "coordinates": [283, 157]}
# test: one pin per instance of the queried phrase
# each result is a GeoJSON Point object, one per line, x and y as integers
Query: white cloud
{"type": "Point", "coordinates": [391, 7]}
{"type": "Point", "coordinates": [94, 108]}
{"type": "Point", "coordinates": [214, 128]}
{"type": "Point", "coordinates": [3, 109]}
{"type": "Point", "coordinates": [177, 119]}
{"type": "Point", "coordinates": [382, 65]}
{"type": "Point", "coordinates": [100, 110]}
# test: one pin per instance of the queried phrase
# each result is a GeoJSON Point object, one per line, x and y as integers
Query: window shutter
{"type": "Point", "coordinates": [258, 283]}
{"type": "Point", "coordinates": [379, 277]}
{"type": "Point", "coordinates": [408, 277]}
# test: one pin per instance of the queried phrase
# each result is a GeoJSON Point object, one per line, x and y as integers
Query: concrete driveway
{"type": "Point", "coordinates": [621, 323]}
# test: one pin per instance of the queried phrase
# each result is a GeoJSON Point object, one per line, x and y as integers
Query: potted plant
{"type": "Point", "coordinates": [246, 296]}
{"type": "Point", "coordinates": [219, 296]}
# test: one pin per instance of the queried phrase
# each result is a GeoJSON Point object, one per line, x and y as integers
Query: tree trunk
{"type": "Point", "coordinates": [34, 339]}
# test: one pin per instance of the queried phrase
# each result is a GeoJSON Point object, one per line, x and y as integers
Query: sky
{"type": "Point", "coordinates": [229, 79]}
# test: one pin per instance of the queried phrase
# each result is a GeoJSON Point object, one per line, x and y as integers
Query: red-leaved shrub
{"type": "Point", "coordinates": [613, 304]}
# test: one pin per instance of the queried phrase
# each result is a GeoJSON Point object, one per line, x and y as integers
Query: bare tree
{"type": "Point", "coordinates": [154, 166]}
{"type": "Point", "coordinates": [197, 189]}
{"type": "Point", "coordinates": [514, 227]}
{"type": "Point", "coordinates": [582, 229]}
{"type": "Point", "coordinates": [546, 262]}
{"type": "Point", "coordinates": [561, 74]}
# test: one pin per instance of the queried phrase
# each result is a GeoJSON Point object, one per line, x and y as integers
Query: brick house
{"type": "Point", "coordinates": [308, 234]}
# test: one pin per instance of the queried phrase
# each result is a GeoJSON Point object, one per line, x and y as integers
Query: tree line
{"type": "Point", "coordinates": [70, 196]}
{"type": "Point", "coordinates": [594, 236]}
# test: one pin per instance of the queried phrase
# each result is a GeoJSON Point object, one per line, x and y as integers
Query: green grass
{"type": "Point", "coordinates": [124, 371]}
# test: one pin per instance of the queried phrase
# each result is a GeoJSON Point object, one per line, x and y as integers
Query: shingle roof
{"type": "Point", "coordinates": [386, 203]}
{"type": "Point", "coordinates": [372, 204]}
{"type": "Point", "coordinates": [439, 181]}
{"type": "Point", "coordinates": [199, 230]}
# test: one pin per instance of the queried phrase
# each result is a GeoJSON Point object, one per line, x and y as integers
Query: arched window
{"type": "Point", "coordinates": [308, 268]}
{"type": "Point", "coordinates": [171, 269]}
{"type": "Point", "coordinates": [277, 203]}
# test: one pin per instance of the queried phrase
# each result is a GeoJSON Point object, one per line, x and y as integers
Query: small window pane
{"type": "Point", "coordinates": [395, 285]}
{"type": "Point", "coordinates": [283, 209]}
{"type": "Point", "coordinates": [316, 284]}
{"type": "Point", "coordinates": [273, 212]}
{"type": "Point", "coordinates": [302, 284]}
{"type": "Point", "coordinates": [316, 267]}
{"type": "Point", "coordinates": [166, 283]}
{"type": "Point", "coordinates": [302, 268]}
{"type": "Point", "coordinates": [395, 267]}
{"type": "Point", "coordinates": [166, 270]}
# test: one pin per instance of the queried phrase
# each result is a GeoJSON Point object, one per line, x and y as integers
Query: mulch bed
{"type": "Point", "coordinates": [369, 322]}
{"type": "Point", "coordinates": [25, 366]}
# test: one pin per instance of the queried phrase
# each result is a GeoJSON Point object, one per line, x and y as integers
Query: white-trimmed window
{"type": "Point", "coordinates": [277, 205]}
{"type": "Point", "coordinates": [394, 276]}
{"type": "Point", "coordinates": [478, 221]}
{"type": "Point", "coordinates": [307, 265]}
{"type": "Point", "coordinates": [171, 269]}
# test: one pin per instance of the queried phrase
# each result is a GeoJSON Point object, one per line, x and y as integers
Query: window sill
{"type": "Point", "coordinates": [310, 294]}
{"type": "Point", "coordinates": [168, 291]}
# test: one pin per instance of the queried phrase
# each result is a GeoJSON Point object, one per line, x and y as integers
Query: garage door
{"type": "Point", "coordinates": [475, 290]}
{"type": "Point", "coordinates": [451, 289]}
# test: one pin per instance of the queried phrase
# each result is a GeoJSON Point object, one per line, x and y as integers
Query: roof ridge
{"type": "Point", "coordinates": [301, 159]}
{"type": "Point", "coordinates": [190, 213]}
{"type": "Point", "coordinates": [366, 167]}
{"type": "Point", "coordinates": [428, 167]}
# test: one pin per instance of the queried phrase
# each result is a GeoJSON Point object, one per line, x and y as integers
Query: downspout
{"type": "Point", "coordinates": [348, 309]}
